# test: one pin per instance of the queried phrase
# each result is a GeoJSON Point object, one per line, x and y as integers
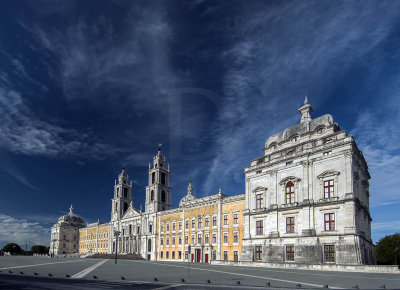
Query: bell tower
{"type": "Point", "coordinates": [158, 192]}
{"type": "Point", "coordinates": [122, 196]}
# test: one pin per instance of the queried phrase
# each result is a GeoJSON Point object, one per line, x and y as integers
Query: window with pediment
{"type": "Point", "coordinates": [329, 184]}
{"type": "Point", "coordinates": [289, 192]}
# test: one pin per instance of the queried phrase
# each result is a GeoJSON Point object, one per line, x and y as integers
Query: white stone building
{"type": "Point", "coordinates": [65, 234]}
{"type": "Point", "coordinates": [307, 198]}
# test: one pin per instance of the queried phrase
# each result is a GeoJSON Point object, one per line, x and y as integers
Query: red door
{"type": "Point", "coordinates": [198, 259]}
{"type": "Point", "coordinates": [192, 257]}
{"type": "Point", "coordinates": [206, 258]}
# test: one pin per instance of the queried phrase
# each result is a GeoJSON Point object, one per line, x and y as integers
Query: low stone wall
{"type": "Point", "coordinates": [322, 267]}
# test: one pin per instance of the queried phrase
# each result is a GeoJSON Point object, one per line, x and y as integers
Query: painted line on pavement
{"type": "Point", "coordinates": [169, 286]}
{"type": "Point", "coordinates": [15, 267]}
{"type": "Point", "coordinates": [247, 275]}
{"type": "Point", "coordinates": [86, 271]}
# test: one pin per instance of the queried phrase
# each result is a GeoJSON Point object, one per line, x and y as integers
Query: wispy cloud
{"type": "Point", "coordinates": [21, 231]}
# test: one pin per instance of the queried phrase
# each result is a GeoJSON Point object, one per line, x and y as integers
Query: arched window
{"type": "Point", "coordinates": [125, 206]}
{"type": "Point", "coordinates": [116, 206]}
{"type": "Point", "coordinates": [152, 195]}
{"type": "Point", "coordinates": [289, 189]}
{"type": "Point", "coordinates": [149, 245]}
{"type": "Point", "coordinates": [163, 196]}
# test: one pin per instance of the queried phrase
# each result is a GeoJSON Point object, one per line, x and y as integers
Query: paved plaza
{"type": "Point", "coordinates": [18, 272]}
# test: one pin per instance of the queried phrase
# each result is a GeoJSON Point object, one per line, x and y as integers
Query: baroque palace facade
{"type": "Point", "coordinates": [306, 201]}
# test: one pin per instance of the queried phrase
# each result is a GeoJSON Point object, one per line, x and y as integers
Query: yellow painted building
{"type": "Point", "coordinates": [94, 238]}
{"type": "Point", "coordinates": [212, 227]}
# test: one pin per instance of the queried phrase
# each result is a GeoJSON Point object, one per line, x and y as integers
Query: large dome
{"type": "Point", "coordinates": [71, 218]}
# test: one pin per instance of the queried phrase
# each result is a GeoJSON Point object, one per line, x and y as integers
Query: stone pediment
{"type": "Point", "coordinates": [260, 188]}
{"type": "Point", "coordinates": [290, 178]}
{"type": "Point", "coordinates": [328, 173]}
{"type": "Point", "coordinates": [131, 212]}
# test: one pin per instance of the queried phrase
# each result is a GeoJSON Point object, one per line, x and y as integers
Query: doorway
{"type": "Point", "coordinates": [206, 258]}
{"type": "Point", "coordinates": [198, 255]}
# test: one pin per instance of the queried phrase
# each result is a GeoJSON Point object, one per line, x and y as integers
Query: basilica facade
{"type": "Point", "coordinates": [306, 201]}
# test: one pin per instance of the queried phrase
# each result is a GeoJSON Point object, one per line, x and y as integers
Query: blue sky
{"type": "Point", "coordinates": [86, 86]}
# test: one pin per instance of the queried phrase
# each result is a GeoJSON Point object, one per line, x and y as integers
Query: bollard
{"type": "Point", "coordinates": [35, 274]}
{"type": "Point", "coordinates": [183, 280]}
{"type": "Point", "coordinates": [21, 272]}
{"type": "Point", "coordinates": [94, 277]}
{"type": "Point", "coordinates": [122, 278]}
{"type": "Point", "coordinates": [237, 282]}
{"type": "Point", "coordinates": [155, 279]}
{"type": "Point", "coordinates": [268, 284]}
{"type": "Point", "coordinates": [50, 275]}
{"type": "Point", "coordinates": [209, 281]}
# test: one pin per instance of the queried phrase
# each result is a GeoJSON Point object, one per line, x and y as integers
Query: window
{"type": "Point", "coordinates": [193, 223]}
{"type": "Point", "coordinates": [214, 238]}
{"type": "Point", "coordinates": [150, 228]}
{"type": "Point", "coordinates": [207, 222]}
{"type": "Point", "coordinates": [173, 240]}
{"type": "Point", "coordinates": [289, 253]}
{"type": "Point", "coordinates": [259, 200]}
{"type": "Point", "coordinates": [258, 252]}
{"type": "Point", "coordinates": [162, 255]}
{"type": "Point", "coordinates": [180, 240]}
{"type": "Point", "coordinates": [289, 192]}
{"type": "Point", "coordinates": [138, 229]}
{"type": "Point", "coordinates": [214, 255]}
{"type": "Point", "coordinates": [186, 255]}
{"type": "Point", "coordinates": [320, 130]}
{"type": "Point", "coordinates": [187, 224]}
{"type": "Point", "coordinates": [173, 227]}
{"type": "Point", "coordinates": [273, 146]}
{"type": "Point", "coordinates": [235, 218]}
{"type": "Point", "coordinates": [167, 255]}
{"type": "Point", "coordinates": [173, 254]}
{"type": "Point", "coordinates": [225, 219]}
{"type": "Point", "coordinates": [163, 178]}
{"type": "Point", "coordinates": [162, 227]}
{"type": "Point", "coordinates": [235, 256]}
{"type": "Point", "coordinates": [214, 221]}
{"type": "Point", "coordinates": [125, 192]}
{"type": "Point", "coordinates": [192, 240]}
{"type": "Point", "coordinates": [153, 177]}
{"type": "Point", "coordinates": [199, 238]}
{"type": "Point", "coordinates": [152, 195]}
{"type": "Point", "coordinates": [225, 238]}
{"type": "Point", "coordinates": [130, 229]}
{"type": "Point", "coordinates": [180, 226]}
{"type": "Point", "coordinates": [186, 240]}
{"type": "Point", "coordinates": [162, 241]}
{"type": "Point", "coordinates": [167, 242]}
{"type": "Point", "coordinates": [167, 227]}
{"type": "Point", "coordinates": [327, 153]}
{"type": "Point", "coordinates": [163, 196]}
{"type": "Point", "coordinates": [329, 253]}
{"type": "Point", "coordinates": [290, 225]}
{"type": "Point", "coordinates": [225, 255]}
{"type": "Point", "coordinates": [179, 255]}
{"type": "Point", "coordinates": [329, 221]}
{"type": "Point", "coordinates": [206, 239]}
{"type": "Point", "coordinates": [295, 138]}
{"type": "Point", "coordinates": [329, 189]}
{"type": "Point", "coordinates": [235, 237]}
{"type": "Point", "coordinates": [259, 226]}
{"type": "Point", "coordinates": [200, 221]}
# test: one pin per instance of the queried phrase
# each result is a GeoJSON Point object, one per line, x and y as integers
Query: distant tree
{"type": "Point", "coordinates": [387, 249]}
{"type": "Point", "coordinates": [13, 248]}
{"type": "Point", "coordinates": [39, 249]}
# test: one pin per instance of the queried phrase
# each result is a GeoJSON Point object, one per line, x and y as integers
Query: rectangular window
{"type": "Point", "coordinates": [199, 238]}
{"type": "Point", "coordinates": [329, 221]}
{"type": "Point", "coordinates": [290, 225]}
{"type": "Point", "coordinates": [193, 238]}
{"type": "Point", "coordinates": [235, 256]}
{"type": "Point", "coordinates": [180, 240]}
{"type": "Point", "coordinates": [179, 255]}
{"type": "Point", "coordinates": [225, 255]}
{"type": "Point", "coordinates": [150, 229]}
{"type": "Point", "coordinates": [162, 227]}
{"type": "Point", "coordinates": [180, 226]}
{"type": "Point", "coordinates": [162, 241]}
{"type": "Point", "coordinates": [260, 228]}
{"type": "Point", "coordinates": [235, 218]}
{"type": "Point", "coordinates": [259, 201]}
{"type": "Point", "coordinates": [187, 224]}
{"type": "Point", "coordinates": [173, 241]}
{"type": "Point", "coordinates": [153, 178]}
{"type": "Point", "coordinates": [214, 255]}
{"type": "Point", "coordinates": [329, 253]}
{"type": "Point", "coordinates": [173, 254]}
{"type": "Point", "coordinates": [329, 189]}
{"type": "Point", "coordinates": [289, 253]}
{"type": "Point", "coordinates": [225, 238]}
{"type": "Point", "coordinates": [173, 227]}
{"type": "Point", "coordinates": [206, 239]}
{"type": "Point", "coordinates": [186, 240]}
{"type": "Point", "coordinates": [163, 178]}
{"type": "Point", "coordinates": [214, 221]}
{"type": "Point", "coordinates": [258, 253]}
{"type": "Point", "coordinates": [167, 255]}
{"type": "Point", "coordinates": [290, 193]}
{"type": "Point", "coordinates": [162, 255]}
{"type": "Point", "coordinates": [225, 219]}
{"type": "Point", "coordinates": [167, 227]}
{"type": "Point", "coordinates": [200, 221]}
{"type": "Point", "coordinates": [193, 223]}
{"type": "Point", "coordinates": [186, 255]}
{"type": "Point", "coordinates": [130, 229]}
{"type": "Point", "coordinates": [235, 237]}
{"type": "Point", "coordinates": [167, 242]}
{"type": "Point", "coordinates": [214, 238]}
{"type": "Point", "coordinates": [207, 222]}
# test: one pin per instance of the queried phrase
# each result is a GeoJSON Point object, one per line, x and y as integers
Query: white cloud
{"type": "Point", "coordinates": [21, 231]}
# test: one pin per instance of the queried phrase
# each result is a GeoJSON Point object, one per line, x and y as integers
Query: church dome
{"type": "Point", "coordinates": [71, 218]}
{"type": "Point", "coordinates": [189, 196]}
